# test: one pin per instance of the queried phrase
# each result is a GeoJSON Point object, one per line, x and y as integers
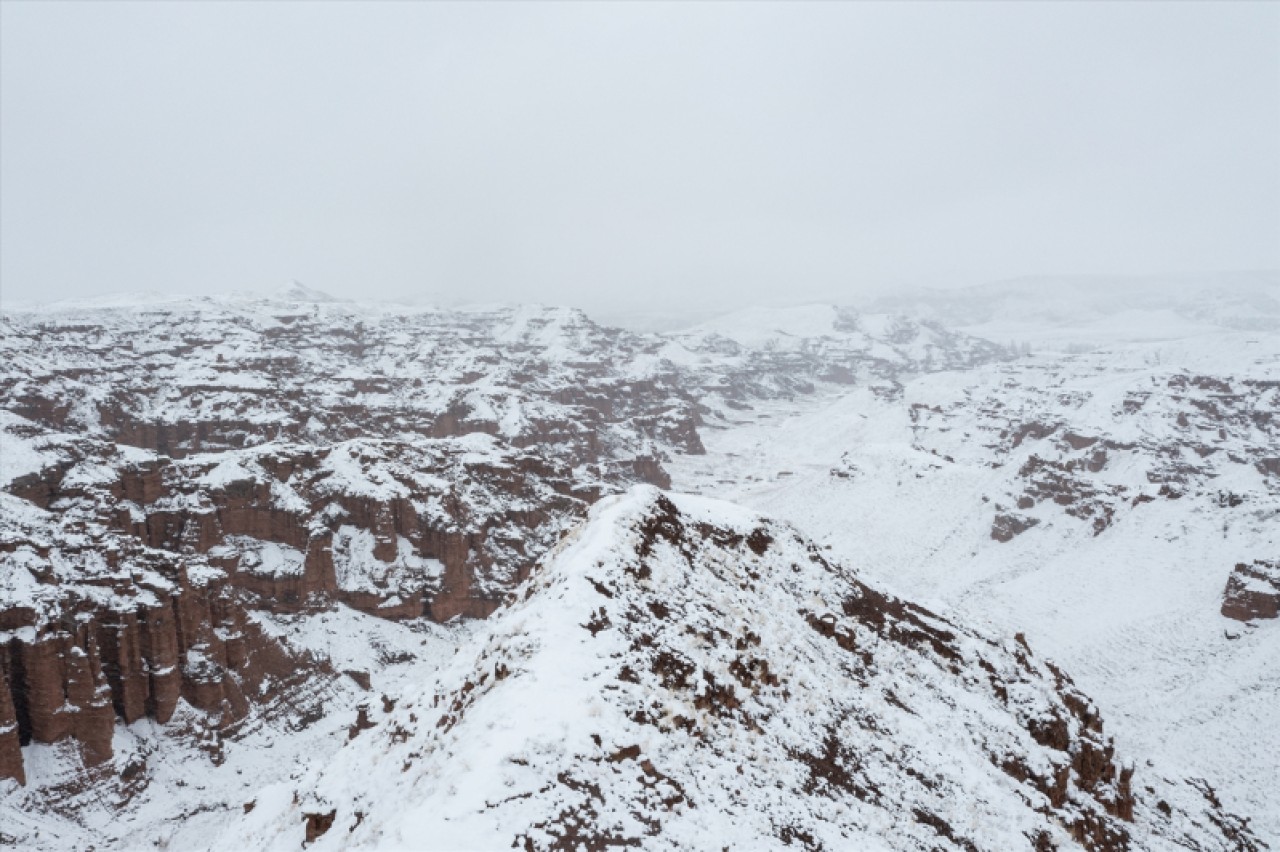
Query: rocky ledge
{"type": "Point", "coordinates": [1253, 591]}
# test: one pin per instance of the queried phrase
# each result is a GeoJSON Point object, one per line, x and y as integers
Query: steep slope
{"type": "Point", "coordinates": [1099, 503]}
{"type": "Point", "coordinates": [682, 673]}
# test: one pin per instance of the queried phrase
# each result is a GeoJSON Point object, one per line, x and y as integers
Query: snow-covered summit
{"type": "Point", "coordinates": [681, 671]}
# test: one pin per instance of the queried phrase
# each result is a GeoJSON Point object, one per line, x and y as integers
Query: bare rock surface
{"type": "Point", "coordinates": [1253, 591]}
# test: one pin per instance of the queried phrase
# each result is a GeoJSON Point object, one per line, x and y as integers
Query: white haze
{"type": "Point", "coordinates": [630, 157]}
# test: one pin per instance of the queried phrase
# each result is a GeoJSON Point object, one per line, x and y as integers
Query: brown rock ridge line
{"type": "Point", "coordinates": [1082, 758]}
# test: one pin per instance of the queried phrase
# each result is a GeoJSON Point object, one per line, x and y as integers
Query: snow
{"type": "Point", "coordinates": [762, 326]}
{"type": "Point", "coordinates": [358, 570]}
{"type": "Point", "coordinates": [267, 558]}
{"type": "Point", "coordinates": [351, 473]}
{"type": "Point", "coordinates": [17, 583]}
{"type": "Point", "coordinates": [533, 722]}
{"type": "Point", "coordinates": [1065, 312]}
{"type": "Point", "coordinates": [1132, 613]}
{"type": "Point", "coordinates": [20, 455]}
{"type": "Point", "coordinates": [897, 473]}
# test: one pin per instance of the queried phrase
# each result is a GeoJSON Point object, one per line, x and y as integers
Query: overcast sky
{"type": "Point", "coordinates": [630, 155]}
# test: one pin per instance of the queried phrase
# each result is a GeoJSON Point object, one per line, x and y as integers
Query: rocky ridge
{"type": "Point", "coordinates": [682, 670]}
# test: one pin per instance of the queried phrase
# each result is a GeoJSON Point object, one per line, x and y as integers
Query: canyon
{"type": "Point", "coordinates": [324, 528]}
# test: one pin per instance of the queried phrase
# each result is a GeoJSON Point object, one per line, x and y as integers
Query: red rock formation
{"type": "Point", "coordinates": [159, 642]}
{"type": "Point", "coordinates": [187, 515]}
{"type": "Point", "coordinates": [126, 669]}
{"type": "Point", "coordinates": [10, 735]}
{"type": "Point", "coordinates": [317, 824]}
{"type": "Point", "coordinates": [68, 679]}
{"type": "Point", "coordinates": [58, 690]}
{"type": "Point", "coordinates": [1253, 591]}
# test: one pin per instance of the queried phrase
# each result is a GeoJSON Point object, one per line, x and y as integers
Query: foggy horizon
{"type": "Point", "coordinates": [628, 157]}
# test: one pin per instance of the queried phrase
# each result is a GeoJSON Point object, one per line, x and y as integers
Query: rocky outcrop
{"type": "Point", "coordinates": [1066, 484]}
{"type": "Point", "coordinates": [383, 526]}
{"type": "Point", "coordinates": [1007, 526]}
{"type": "Point", "coordinates": [59, 691]}
{"type": "Point", "coordinates": [122, 637]}
{"type": "Point", "coordinates": [10, 737]}
{"type": "Point", "coordinates": [317, 825]}
{"type": "Point", "coordinates": [1253, 591]}
{"type": "Point", "coordinates": [73, 686]}
{"type": "Point", "coordinates": [398, 540]}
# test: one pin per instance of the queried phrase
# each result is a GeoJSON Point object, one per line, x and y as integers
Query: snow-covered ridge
{"type": "Point", "coordinates": [683, 669]}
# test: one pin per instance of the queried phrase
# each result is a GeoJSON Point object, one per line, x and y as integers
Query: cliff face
{"type": "Point", "coordinates": [111, 628]}
{"type": "Point", "coordinates": [400, 529]}
{"type": "Point", "coordinates": [133, 586]}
